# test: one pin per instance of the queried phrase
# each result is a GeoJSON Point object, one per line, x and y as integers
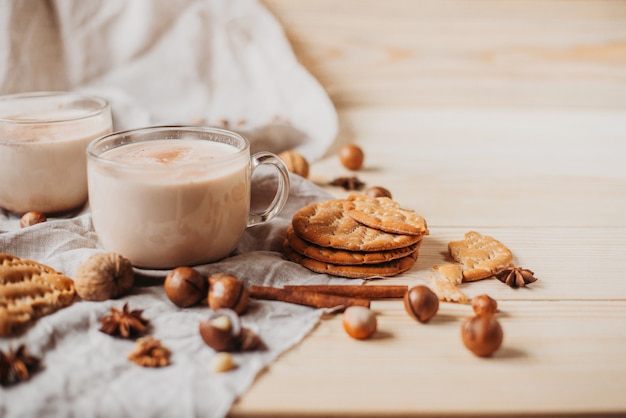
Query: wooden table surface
{"type": "Point", "coordinates": [504, 117]}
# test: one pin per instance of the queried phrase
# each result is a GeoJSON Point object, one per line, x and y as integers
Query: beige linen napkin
{"type": "Point", "coordinates": [86, 372]}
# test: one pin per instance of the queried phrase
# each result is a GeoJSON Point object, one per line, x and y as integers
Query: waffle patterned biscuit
{"type": "Point", "coordinates": [345, 257]}
{"type": "Point", "coordinates": [29, 290]}
{"type": "Point", "coordinates": [447, 291]}
{"type": "Point", "coordinates": [452, 272]}
{"type": "Point", "coordinates": [386, 269]}
{"type": "Point", "coordinates": [482, 256]}
{"type": "Point", "coordinates": [328, 225]}
{"type": "Point", "coordinates": [384, 214]}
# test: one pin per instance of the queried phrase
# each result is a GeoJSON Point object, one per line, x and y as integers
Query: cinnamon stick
{"type": "Point", "coordinates": [357, 291]}
{"type": "Point", "coordinates": [306, 297]}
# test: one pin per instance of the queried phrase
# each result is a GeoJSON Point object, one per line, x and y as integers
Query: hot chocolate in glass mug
{"type": "Point", "coordinates": [43, 137]}
{"type": "Point", "coordinates": [170, 196]}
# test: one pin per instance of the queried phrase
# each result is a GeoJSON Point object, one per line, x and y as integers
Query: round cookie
{"type": "Point", "coordinates": [387, 269]}
{"type": "Point", "coordinates": [327, 224]}
{"type": "Point", "coordinates": [384, 214]}
{"type": "Point", "coordinates": [345, 257]}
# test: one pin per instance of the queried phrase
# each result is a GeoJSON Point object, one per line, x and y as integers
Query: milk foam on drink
{"type": "Point", "coordinates": [169, 202]}
{"type": "Point", "coordinates": [43, 166]}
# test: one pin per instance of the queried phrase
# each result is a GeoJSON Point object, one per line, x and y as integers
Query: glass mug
{"type": "Point", "coordinates": [43, 137]}
{"type": "Point", "coordinates": [170, 196]}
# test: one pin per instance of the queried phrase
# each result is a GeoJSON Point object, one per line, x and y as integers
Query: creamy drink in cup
{"type": "Point", "coordinates": [174, 196]}
{"type": "Point", "coordinates": [43, 137]}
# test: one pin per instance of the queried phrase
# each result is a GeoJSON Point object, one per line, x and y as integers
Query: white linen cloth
{"type": "Point", "coordinates": [161, 62]}
{"type": "Point", "coordinates": [170, 62]}
{"type": "Point", "coordinates": [86, 372]}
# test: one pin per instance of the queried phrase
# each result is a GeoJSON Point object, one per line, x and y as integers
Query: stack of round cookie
{"type": "Point", "coordinates": [356, 237]}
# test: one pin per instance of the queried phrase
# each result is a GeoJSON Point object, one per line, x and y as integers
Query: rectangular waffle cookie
{"type": "Point", "coordinates": [29, 290]}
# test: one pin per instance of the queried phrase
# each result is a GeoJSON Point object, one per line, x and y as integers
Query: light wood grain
{"type": "Point", "coordinates": [504, 117]}
{"type": "Point", "coordinates": [564, 269]}
{"type": "Point", "coordinates": [562, 217]}
{"type": "Point", "coordinates": [476, 52]}
{"type": "Point", "coordinates": [543, 366]}
{"type": "Point", "coordinates": [504, 166]}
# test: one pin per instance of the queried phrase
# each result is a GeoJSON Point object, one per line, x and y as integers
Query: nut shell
{"type": "Point", "coordinates": [482, 335]}
{"type": "Point", "coordinates": [351, 156]}
{"type": "Point", "coordinates": [421, 303]}
{"type": "Point", "coordinates": [185, 287]}
{"type": "Point", "coordinates": [216, 336]}
{"type": "Point", "coordinates": [104, 276]}
{"type": "Point", "coordinates": [228, 335]}
{"type": "Point", "coordinates": [227, 292]}
{"type": "Point", "coordinates": [484, 305]}
{"type": "Point", "coordinates": [359, 322]}
{"type": "Point", "coordinates": [249, 340]}
{"type": "Point", "coordinates": [378, 191]}
{"type": "Point", "coordinates": [295, 163]}
{"type": "Point", "coordinates": [32, 218]}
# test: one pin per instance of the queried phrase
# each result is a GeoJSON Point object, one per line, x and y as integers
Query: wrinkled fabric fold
{"type": "Point", "coordinates": [86, 372]}
{"type": "Point", "coordinates": [165, 62]}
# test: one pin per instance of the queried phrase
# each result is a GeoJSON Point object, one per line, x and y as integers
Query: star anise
{"type": "Point", "coordinates": [516, 276]}
{"type": "Point", "coordinates": [17, 366]}
{"type": "Point", "coordinates": [348, 183]}
{"type": "Point", "coordinates": [149, 352]}
{"type": "Point", "coordinates": [124, 323]}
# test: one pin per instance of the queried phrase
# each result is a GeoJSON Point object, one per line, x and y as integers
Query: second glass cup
{"type": "Point", "coordinates": [172, 196]}
{"type": "Point", "coordinates": [43, 137]}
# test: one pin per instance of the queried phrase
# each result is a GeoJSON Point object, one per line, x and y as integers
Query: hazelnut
{"type": "Point", "coordinates": [32, 218]}
{"type": "Point", "coordinates": [351, 156]}
{"type": "Point", "coordinates": [185, 287]}
{"type": "Point", "coordinates": [222, 362]}
{"type": "Point", "coordinates": [359, 322]}
{"type": "Point", "coordinates": [378, 191]}
{"type": "Point", "coordinates": [484, 305]}
{"type": "Point", "coordinates": [295, 163]}
{"type": "Point", "coordinates": [482, 334]}
{"type": "Point", "coordinates": [249, 340]}
{"type": "Point", "coordinates": [226, 291]}
{"type": "Point", "coordinates": [421, 303]}
{"type": "Point", "coordinates": [104, 276]}
{"type": "Point", "coordinates": [223, 332]}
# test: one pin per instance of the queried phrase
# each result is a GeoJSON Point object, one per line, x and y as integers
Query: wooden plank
{"type": "Point", "coordinates": [505, 117]}
{"type": "Point", "coordinates": [481, 52]}
{"type": "Point", "coordinates": [491, 167]}
{"type": "Point", "coordinates": [557, 357]}
{"type": "Point", "coordinates": [562, 217]}
{"type": "Point", "coordinates": [571, 264]}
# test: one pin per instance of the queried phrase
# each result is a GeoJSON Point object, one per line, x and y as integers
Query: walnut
{"type": "Point", "coordinates": [295, 163]}
{"type": "Point", "coordinates": [149, 352]}
{"type": "Point", "coordinates": [104, 276]}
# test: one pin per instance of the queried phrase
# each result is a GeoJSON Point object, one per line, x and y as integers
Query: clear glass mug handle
{"type": "Point", "coordinates": [282, 192]}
